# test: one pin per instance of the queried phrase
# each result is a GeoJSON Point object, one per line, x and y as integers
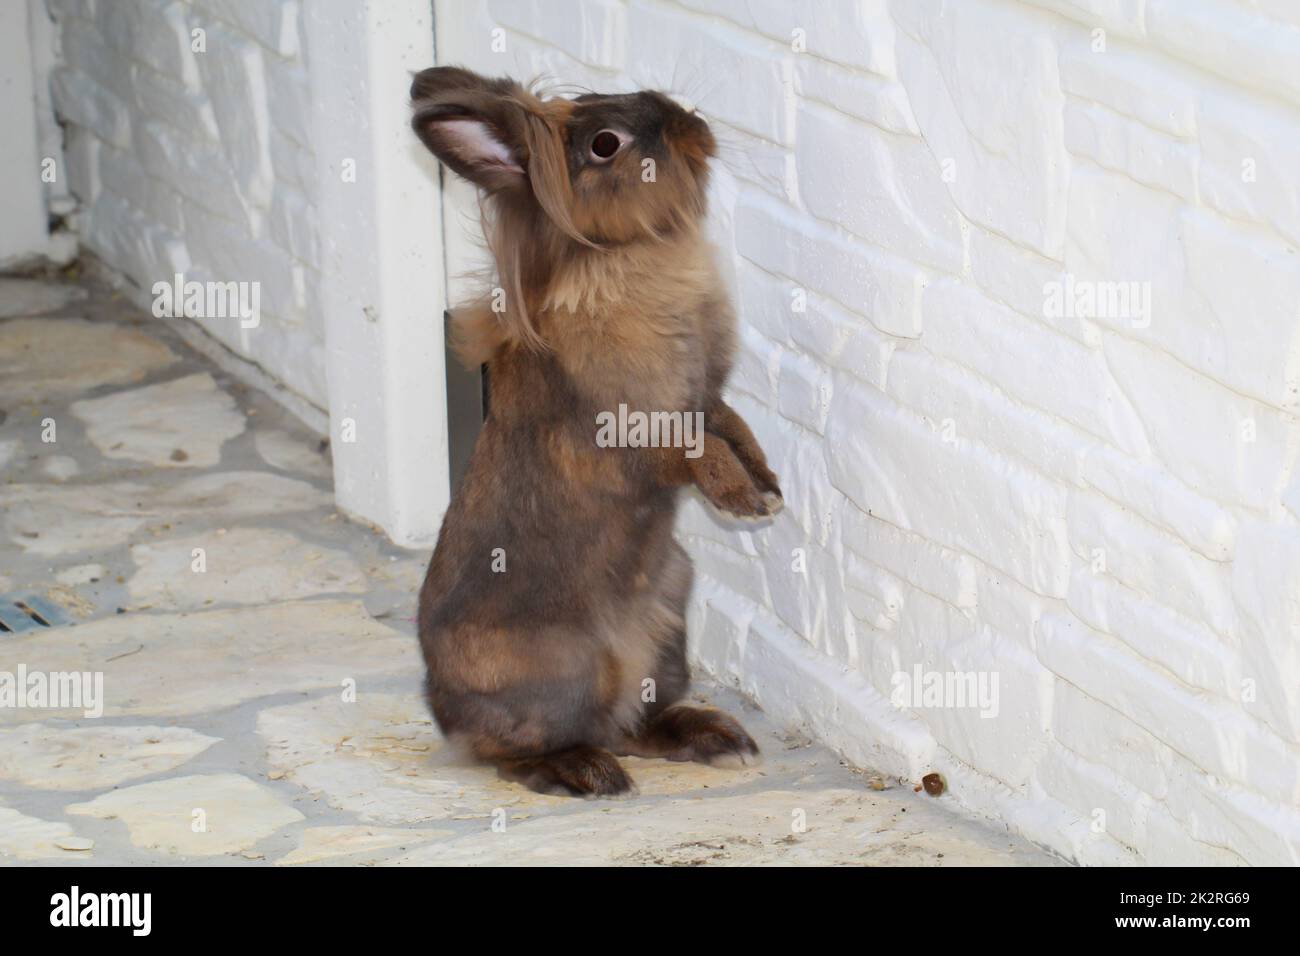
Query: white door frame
{"type": "Point", "coordinates": [383, 272]}
{"type": "Point", "coordinates": [26, 55]}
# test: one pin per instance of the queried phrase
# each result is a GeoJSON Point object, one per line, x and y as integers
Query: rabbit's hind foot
{"type": "Point", "coordinates": [581, 771]}
{"type": "Point", "coordinates": [701, 734]}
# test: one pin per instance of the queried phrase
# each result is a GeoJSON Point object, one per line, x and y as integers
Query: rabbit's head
{"type": "Point", "coordinates": [603, 170]}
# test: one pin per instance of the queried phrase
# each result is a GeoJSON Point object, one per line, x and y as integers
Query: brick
{"type": "Point", "coordinates": [288, 94]}
{"type": "Point", "coordinates": [81, 100]}
{"type": "Point", "coordinates": [1087, 726]}
{"type": "Point", "coordinates": [1203, 271]}
{"type": "Point", "coordinates": [803, 391]}
{"type": "Point", "coordinates": [192, 169]}
{"type": "Point", "coordinates": [814, 603]}
{"type": "Point", "coordinates": [592, 32]}
{"type": "Point", "coordinates": [293, 164]}
{"type": "Point", "coordinates": [878, 185]}
{"type": "Point", "coordinates": [85, 9]}
{"type": "Point", "coordinates": [1213, 34]}
{"type": "Point", "coordinates": [125, 178]}
{"type": "Point", "coordinates": [716, 627]}
{"type": "Point", "coordinates": [858, 35]}
{"type": "Point", "coordinates": [874, 596]}
{"type": "Point", "coordinates": [1008, 606]}
{"type": "Point", "coordinates": [1124, 17]}
{"type": "Point", "coordinates": [119, 234]}
{"type": "Point", "coordinates": [1248, 151]}
{"type": "Point", "coordinates": [1135, 83]}
{"type": "Point", "coordinates": [1150, 561]}
{"type": "Point", "coordinates": [1169, 844]}
{"type": "Point", "coordinates": [1291, 496]}
{"type": "Point", "coordinates": [233, 76]}
{"type": "Point", "coordinates": [281, 345]}
{"type": "Point", "coordinates": [531, 58]}
{"type": "Point", "coordinates": [1016, 277]}
{"type": "Point", "coordinates": [1262, 831]}
{"type": "Point", "coordinates": [1211, 733]}
{"type": "Point", "coordinates": [997, 118]}
{"type": "Point", "coordinates": [726, 565]}
{"type": "Point", "coordinates": [229, 254]}
{"type": "Point", "coordinates": [776, 669]}
{"type": "Point", "coordinates": [1008, 742]}
{"type": "Point", "coordinates": [891, 464]}
{"type": "Point", "coordinates": [187, 112]}
{"type": "Point", "coordinates": [1217, 442]}
{"type": "Point", "coordinates": [1185, 648]}
{"type": "Point", "coordinates": [875, 657]}
{"type": "Point", "coordinates": [945, 574]}
{"type": "Point", "coordinates": [154, 32]}
{"type": "Point", "coordinates": [1206, 526]}
{"type": "Point", "coordinates": [843, 341]}
{"type": "Point", "coordinates": [1122, 232]}
{"type": "Point", "coordinates": [1101, 797]}
{"type": "Point", "coordinates": [1126, 146]}
{"type": "Point", "coordinates": [871, 98]}
{"type": "Point", "coordinates": [757, 362]}
{"type": "Point", "coordinates": [882, 287]}
{"type": "Point", "coordinates": [766, 302]}
{"type": "Point", "coordinates": [81, 158]}
{"type": "Point", "coordinates": [273, 23]}
{"type": "Point", "coordinates": [1063, 831]}
{"type": "Point", "coordinates": [1266, 588]}
{"type": "Point", "coordinates": [1241, 271]}
{"type": "Point", "coordinates": [294, 227]}
{"type": "Point", "coordinates": [952, 397]}
{"type": "Point", "coordinates": [85, 50]}
{"type": "Point", "coordinates": [1030, 362]}
{"type": "Point", "coordinates": [314, 311]}
{"type": "Point", "coordinates": [928, 631]}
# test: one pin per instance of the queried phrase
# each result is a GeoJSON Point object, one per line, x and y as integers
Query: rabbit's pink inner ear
{"type": "Point", "coordinates": [472, 142]}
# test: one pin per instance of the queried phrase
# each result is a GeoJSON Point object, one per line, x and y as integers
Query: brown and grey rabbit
{"type": "Point", "coordinates": [552, 616]}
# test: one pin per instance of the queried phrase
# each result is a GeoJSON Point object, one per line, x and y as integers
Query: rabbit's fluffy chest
{"type": "Point", "coordinates": [624, 355]}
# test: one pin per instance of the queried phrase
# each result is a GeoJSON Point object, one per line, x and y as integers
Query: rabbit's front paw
{"type": "Point", "coordinates": [775, 503]}
{"type": "Point", "coordinates": [744, 500]}
{"type": "Point", "coordinates": [763, 477]}
{"type": "Point", "coordinates": [728, 484]}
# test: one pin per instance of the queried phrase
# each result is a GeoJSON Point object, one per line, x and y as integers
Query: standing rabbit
{"type": "Point", "coordinates": [552, 615]}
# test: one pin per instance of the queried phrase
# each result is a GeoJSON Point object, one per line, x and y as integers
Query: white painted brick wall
{"type": "Point", "coordinates": [1102, 510]}
{"type": "Point", "coordinates": [199, 161]}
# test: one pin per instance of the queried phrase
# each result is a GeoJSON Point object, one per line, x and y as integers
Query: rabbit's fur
{"type": "Point", "coordinates": [552, 616]}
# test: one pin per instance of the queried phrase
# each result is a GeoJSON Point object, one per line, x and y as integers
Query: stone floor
{"type": "Point", "coordinates": [266, 710]}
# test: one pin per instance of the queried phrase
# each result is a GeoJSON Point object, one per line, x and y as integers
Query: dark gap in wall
{"type": "Point", "coordinates": [467, 406]}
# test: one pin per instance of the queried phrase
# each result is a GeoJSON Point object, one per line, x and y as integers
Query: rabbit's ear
{"type": "Point", "coordinates": [474, 125]}
{"type": "Point", "coordinates": [499, 136]}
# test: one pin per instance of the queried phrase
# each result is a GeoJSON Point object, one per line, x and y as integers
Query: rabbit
{"type": "Point", "coordinates": [552, 616]}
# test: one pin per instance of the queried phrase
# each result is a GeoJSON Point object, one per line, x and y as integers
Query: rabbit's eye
{"type": "Point", "coordinates": [604, 145]}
